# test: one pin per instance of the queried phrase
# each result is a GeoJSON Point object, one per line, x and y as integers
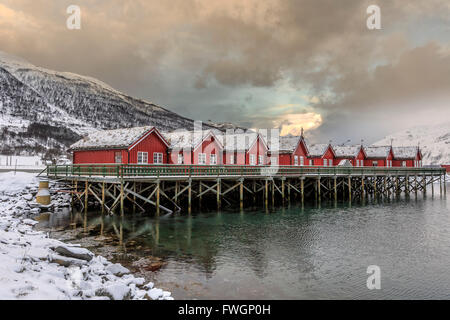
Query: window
{"type": "Point", "coordinates": [361, 162]}
{"type": "Point", "coordinates": [232, 159]}
{"type": "Point", "coordinates": [118, 157]}
{"type": "Point", "coordinates": [157, 157]}
{"type": "Point", "coordinates": [142, 157]}
{"type": "Point", "coordinates": [302, 161]}
{"type": "Point", "coordinates": [260, 160]}
{"type": "Point", "coordinates": [357, 162]}
{"type": "Point", "coordinates": [325, 162]}
{"type": "Point", "coordinates": [252, 159]}
{"type": "Point", "coordinates": [273, 161]}
{"type": "Point", "coordinates": [295, 161]}
{"type": "Point", "coordinates": [311, 162]}
{"type": "Point", "coordinates": [403, 163]}
{"type": "Point", "coordinates": [180, 158]}
{"type": "Point", "coordinates": [202, 158]}
{"type": "Point", "coordinates": [375, 164]}
{"type": "Point", "coordinates": [212, 159]}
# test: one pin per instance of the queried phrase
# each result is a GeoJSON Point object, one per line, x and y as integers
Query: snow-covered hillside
{"type": "Point", "coordinates": [45, 111]}
{"type": "Point", "coordinates": [434, 140]}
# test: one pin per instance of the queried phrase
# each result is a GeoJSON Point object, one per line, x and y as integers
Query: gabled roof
{"type": "Point", "coordinates": [377, 152]}
{"type": "Point", "coordinates": [113, 139]}
{"type": "Point", "coordinates": [347, 151]}
{"type": "Point", "coordinates": [405, 152]}
{"type": "Point", "coordinates": [239, 141]}
{"type": "Point", "coordinates": [189, 139]}
{"type": "Point", "coordinates": [319, 149]}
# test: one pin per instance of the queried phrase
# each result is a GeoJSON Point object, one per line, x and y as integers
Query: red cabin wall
{"type": "Point", "coordinates": [257, 149]}
{"type": "Point", "coordinates": [208, 146]}
{"type": "Point", "coordinates": [98, 156]}
{"type": "Point", "coordinates": [152, 143]}
{"type": "Point", "coordinates": [173, 156]}
{"type": "Point", "coordinates": [284, 159]}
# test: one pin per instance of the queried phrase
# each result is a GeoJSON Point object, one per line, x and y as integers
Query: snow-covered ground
{"type": "Point", "coordinates": [34, 266]}
{"type": "Point", "coordinates": [21, 162]}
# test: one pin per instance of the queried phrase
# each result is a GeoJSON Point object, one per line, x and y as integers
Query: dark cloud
{"type": "Point", "coordinates": [240, 60]}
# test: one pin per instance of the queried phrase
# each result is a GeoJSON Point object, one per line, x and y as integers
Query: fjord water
{"type": "Point", "coordinates": [302, 253]}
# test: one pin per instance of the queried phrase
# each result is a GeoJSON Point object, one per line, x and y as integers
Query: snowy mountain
{"type": "Point", "coordinates": [434, 141]}
{"type": "Point", "coordinates": [44, 111]}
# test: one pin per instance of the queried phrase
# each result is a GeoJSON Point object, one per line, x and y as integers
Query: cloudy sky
{"type": "Point", "coordinates": [256, 63]}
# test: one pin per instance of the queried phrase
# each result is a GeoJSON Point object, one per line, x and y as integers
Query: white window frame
{"type": "Point", "coordinates": [252, 159]}
{"type": "Point", "coordinates": [302, 160]}
{"type": "Point", "coordinates": [117, 156]}
{"type": "Point", "coordinates": [325, 162]}
{"type": "Point", "coordinates": [260, 160]}
{"type": "Point", "coordinates": [158, 158]}
{"type": "Point", "coordinates": [404, 164]}
{"type": "Point", "coordinates": [142, 157]}
{"type": "Point", "coordinates": [361, 162]}
{"type": "Point", "coordinates": [212, 159]}
{"type": "Point", "coordinates": [232, 159]}
{"type": "Point", "coordinates": [311, 162]}
{"type": "Point", "coordinates": [295, 160]}
{"type": "Point", "coordinates": [180, 159]}
{"type": "Point", "coordinates": [202, 158]}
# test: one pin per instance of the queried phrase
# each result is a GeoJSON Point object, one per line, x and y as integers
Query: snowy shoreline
{"type": "Point", "coordinates": [34, 266]}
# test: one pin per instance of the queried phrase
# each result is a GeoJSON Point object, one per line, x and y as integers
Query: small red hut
{"type": "Point", "coordinates": [140, 145]}
{"type": "Point", "coordinates": [245, 149]}
{"type": "Point", "coordinates": [379, 156]}
{"type": "Point", "coordinates": [355, 154]}
{"type": "Point", "coordinates": [321, 154]}
{"type": "Point", "coordinates": [292, 150]}
{"type": "Point", "coordinates": [201, 147]}
{"type": "Point", "coordinates": [407, 157]}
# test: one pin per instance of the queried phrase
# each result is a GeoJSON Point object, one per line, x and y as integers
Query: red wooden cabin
{"type": "Point", "coordinates": [292, 150]}
{"type": "Point", "coordinates": [379, 156]}
{"type": "Point", "coordinates": [407, 157]}
{"type": "Point", "coordinates": [140, 145]}
{"type": "Point", "coordinates": [245, 149]}
{"type": "Point", "coordinates": [447, 168]}
{"type": "Point", "coordinates": [194, 147]}
{"type": "Point", "coordinates": [354, 154]}
{"type": "Point", "coordinates": [321, 155]}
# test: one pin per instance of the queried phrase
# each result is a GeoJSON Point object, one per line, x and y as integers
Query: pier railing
{"type": "Point", "coordinates": [156, 171]}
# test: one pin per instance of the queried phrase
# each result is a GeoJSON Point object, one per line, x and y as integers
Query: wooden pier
{"type": "Point", "coordinates": [169, 188]}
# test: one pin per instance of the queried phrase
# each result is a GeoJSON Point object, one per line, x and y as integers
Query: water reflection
{"type": "Point", "coordinates": [293, 251]}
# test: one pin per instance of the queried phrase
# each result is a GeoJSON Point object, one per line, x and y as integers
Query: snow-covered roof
{"type": "Point", "coordinates": [238, 141]}
{"type": "Point", "coordinates": [317, 150]}
{"type": "Point", "coordinates": [345, 163]}
{"type": "Point", "coordinates": [404, 152]}
{"type": "Point", "coordinates": [377, 151]}
{"type": "Point", "coordinates": [346, 151]}
{"type": "Point", "coordinates": [189, 139]}
{"type": "Point", "coordinates": [111, 139]}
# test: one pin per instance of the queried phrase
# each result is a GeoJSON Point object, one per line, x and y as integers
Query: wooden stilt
{"type": "Point", "coordinates": [218, 195]}
{"type": "Point", "coordinates": [190, 196]}
{"type": "Point", "coordinates": [103, 198]}
{"type": "Point", "coordinates": [302, 189]}
{"type": "Point", "coordinates": [158, 186]}
{"type": "Point", "coordinates": [266, 193]}
{"type": "Point", "coordinates": [241, 194]}
{"type": "Point", "coordinates": [86, 197]}
{"type": "Point", "coordinates": [349, 189]}
{"type": "Point", "coordinates": [121, 199]}
{"type": "Point", "coordinates": [335, 188]}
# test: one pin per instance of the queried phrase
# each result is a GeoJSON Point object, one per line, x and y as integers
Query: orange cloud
{"type": "Point", "coordinates": [293, 123]}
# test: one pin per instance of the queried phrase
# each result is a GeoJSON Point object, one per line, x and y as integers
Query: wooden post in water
{"type": "Point", "coordinates": [86, 197]}
{"type": "Point", "coordinates": [350, 189]}
{"type": "Point", "coordinates": [190, 196]}
{"type": "Point", "coordinates": [241, 194]}
{"type": "Point", "coordinates": [200, 195]}
{"type": "Point", "coordinates": [432, 186]}
{"type": "Point", "coordinates": [273, 192]}
{"type": "Point", "coordinates": [374, 186]}
{"type": "Point", "coordinates": [424, 179]}
{"type": "Point", "coordinates": [218, 194]}
{"type": "Point", "coordinates": [318, 188]}
{"type": "Point", "coordinates": [103, 197]}
{"type": "Point", "coordinates": [302, 189]}
{"type": "Point", "coordinates": [362, 188]}
{"type": "Point", "coordinates": [282, 189]}
{"type": "Point", "coordinates": [415, 186]}
{"type": "Point", "coordinates": [335, 188]}
{"type": "Point", "coordinates": [407, 186]}
{"type": "Point", "coordinates": [266, 193]}
{"type": "Point", "coordinates": [158, 186]}
{"type": "Point", "coordinates": [121, 198]}
{"type": "Point", "coordinates": [134, 197]}
{"type": "Point", "coordinates": [445, 186]}
{"type": "Point", "coordinates": [289, 191]}
{"type": "Point", "coordinates": [177, 187]}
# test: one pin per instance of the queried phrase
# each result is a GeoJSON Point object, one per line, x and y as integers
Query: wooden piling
{"type": "Point", "coordinates": [241, 194]}
{"type": "Point", "coordinates": [190, 196]}
{"type": "Point", "coordinates": [302, 189]}
{"type": "Point", "coordinates": [158, 191]}
{"type": "Point", "coordinates": [218, 195]}
{"type": "Point", "coordinates": [103, 198]}
{"type": "Point", "coordinates": [349, 189]}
